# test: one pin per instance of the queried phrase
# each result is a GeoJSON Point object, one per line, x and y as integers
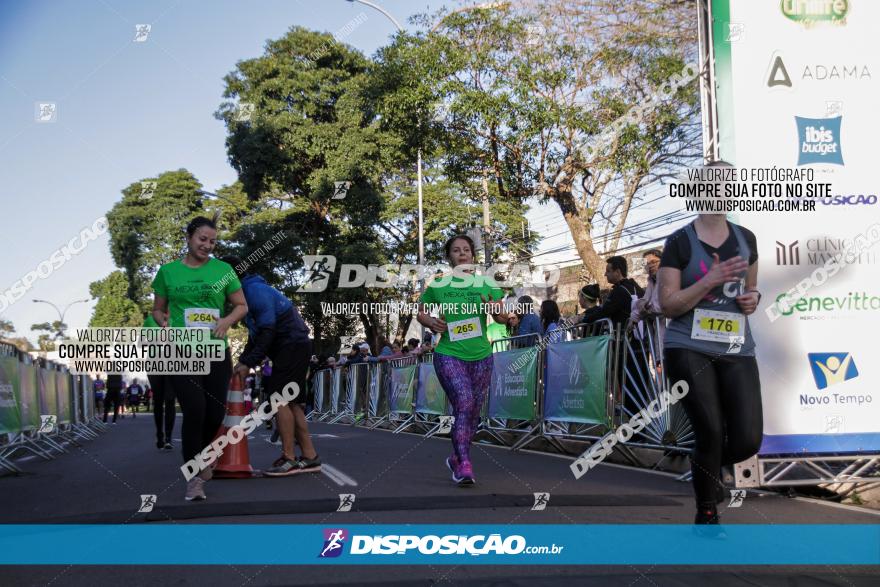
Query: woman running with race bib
{"type": "Point", "coordinates": [463, 357]}
{"type": "Point", "coordinates": [709, 345]}
{"type": "Point", "coordinates": [194, 292]}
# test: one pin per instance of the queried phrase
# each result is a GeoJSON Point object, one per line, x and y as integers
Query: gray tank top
{"type": "Point", "coordinates": [721, 299]}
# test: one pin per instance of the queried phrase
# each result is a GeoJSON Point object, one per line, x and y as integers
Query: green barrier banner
{"type": "Point", "coordinates": [28, 398]}
{"type": "Point", "coordinates": [401, 384]}
{"type": "Point", "coordinates": [47, 392]}
{"type": "Point", "coordinates": [514, 384]}
{"type": "Point", "coordinates": [62, 392]}
{"type": "Point", "coordinates": [575, 385]}
{"type": "Point", "coordinates": [10, 413]}
{"type": "Point", "coordinates": [430, 397]}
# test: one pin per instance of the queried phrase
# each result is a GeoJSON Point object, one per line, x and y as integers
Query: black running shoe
{"type": "Point", "coordinates": [706, 514]}
{"type": "Point", "coordinates": [168, 446]}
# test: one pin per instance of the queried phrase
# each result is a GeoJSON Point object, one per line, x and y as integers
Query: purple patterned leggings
{"type": "Point", "coordinates": [466, 384]}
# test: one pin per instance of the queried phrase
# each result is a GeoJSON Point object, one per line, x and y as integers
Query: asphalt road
{"type": "Point", "coordinates": [396, 479]}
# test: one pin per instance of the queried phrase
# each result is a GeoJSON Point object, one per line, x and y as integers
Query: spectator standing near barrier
{"type": "Point", "coordinates": [647, 308]}
{"type": "Point", "coordinates": [498, 331]}
{"type": "Point", "coordinates": [529, 322]}
{"type": "Point", "coordinates": [550, 317]}
{"type": "Point", "coordinates": [100, 390]}
{"type": "Point", "coordinates": [588, 297]}
{"type": "Point", "coordinates": [463, 358]}
{"type": "Point", "coordinates": [701, 271]}
{"type": "Point", "coordinates": [164, 411]}
{"type": "Point", "coordinates": [277, 331]}
{"type": "Point", "coordinates": [623, 292]}
{"type": "Point", "coordinates": [114, 391]}
{"type": "Point", "coordinates": [195, 292]}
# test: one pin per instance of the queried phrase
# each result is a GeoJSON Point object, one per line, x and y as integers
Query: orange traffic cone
{"type": "Point", "coordinates": [235, 463]}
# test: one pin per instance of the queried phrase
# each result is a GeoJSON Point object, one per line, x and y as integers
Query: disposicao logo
{"type": "Point", "coordinates": [334, 542]}
{"type": "Point", "coordinates": [819, 140]}
{"type": "Point", "coordinates": [832, 368]}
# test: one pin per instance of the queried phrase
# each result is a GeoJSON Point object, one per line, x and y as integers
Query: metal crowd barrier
{"type": "Point", "coordinates": [578, 383]}
{"type": "Point", "coordinates": [644, 380]}
{"type": "Point", "coordinates": [43, 407]}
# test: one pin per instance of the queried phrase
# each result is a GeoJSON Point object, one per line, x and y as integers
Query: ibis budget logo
{"type": "Point", "coordinates": [808, 12]}
{"type": "Point", "coordinates": [832, 368]}
{"type": "Point", "coordinates": [819, 140]}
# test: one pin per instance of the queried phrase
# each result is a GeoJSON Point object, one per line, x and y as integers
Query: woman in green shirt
{"type": "Point", "coordinates": [194, 292]}
{"type": "Point", "coordinates": [463, 357]}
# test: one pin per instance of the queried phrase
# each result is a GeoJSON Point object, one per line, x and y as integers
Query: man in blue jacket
{"type": "Point", "coordinates": [529, 323]}
{"type": "Point", "coordinates": [277, 331]}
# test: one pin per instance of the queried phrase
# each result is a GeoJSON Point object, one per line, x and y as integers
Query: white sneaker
{"type": "Point", "coordinates": [195, 489]}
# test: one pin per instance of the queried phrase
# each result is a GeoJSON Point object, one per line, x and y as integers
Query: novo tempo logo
{"type": "Point", "coordinates": [832, 368]}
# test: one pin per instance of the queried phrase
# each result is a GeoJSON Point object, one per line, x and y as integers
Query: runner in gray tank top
{"type": "Point", "coordinates": [708, 288]}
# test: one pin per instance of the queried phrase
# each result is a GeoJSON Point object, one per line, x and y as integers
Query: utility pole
{"type": "Point", "coordinates": [487, 243]}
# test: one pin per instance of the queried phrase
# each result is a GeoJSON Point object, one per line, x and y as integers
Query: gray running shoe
{"type": "Point", "coordinates": [195, 489]}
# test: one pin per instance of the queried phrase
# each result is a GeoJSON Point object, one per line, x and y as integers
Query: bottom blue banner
{"type": "Point", "coordinates": [634, 544]}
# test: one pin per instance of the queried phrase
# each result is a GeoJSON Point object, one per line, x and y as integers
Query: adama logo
{"type": "Point", "coordinates": [832, 368]}
{"type": "Point", "coordinates": [334, 542]}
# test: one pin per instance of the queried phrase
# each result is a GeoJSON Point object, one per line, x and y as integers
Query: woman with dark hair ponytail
{"type": "Point", "coordinates": [194, 292]}
{"type": "Point", "coordinates": [463, 357]}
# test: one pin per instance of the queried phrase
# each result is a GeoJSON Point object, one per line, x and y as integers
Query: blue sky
{"type": "Point", "coordinates": [128, 110]}
{"type": "Point", "coordinates": [125, 110]}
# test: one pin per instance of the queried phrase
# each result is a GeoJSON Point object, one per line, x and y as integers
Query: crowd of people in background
{"type": "Point", "coordinates": [528, 322]}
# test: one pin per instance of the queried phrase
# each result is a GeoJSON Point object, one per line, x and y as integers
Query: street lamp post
{"type": "Point", "coordinates": [61, 313]}
{"type": "Point", "coordinates": [400, 29]}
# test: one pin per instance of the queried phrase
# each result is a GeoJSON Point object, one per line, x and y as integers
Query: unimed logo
{"type": "Point", "coordinates": [334, 542]}
{"type": "Point", "coordinates": [832, 368]}
{"type": "Point", "coordinates": [808, 12]}
{"type": "Point", "coordinates": [788, 254]}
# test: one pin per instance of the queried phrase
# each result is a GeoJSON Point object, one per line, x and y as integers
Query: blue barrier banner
{"type": "Point", "coordinates": [430, 397]}
{"type": "Point", "coordinates": [527, 544]}
{"type": "Point", "coordinates": [575, 386]}
{"type": "Point", "coordinates": [514, 384]}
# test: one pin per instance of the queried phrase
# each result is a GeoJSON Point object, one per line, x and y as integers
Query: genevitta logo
{"type": "Point", "coordinates": [334, 542]}
{"type": "Point", "coordinates": [819, 140]}
{"type": "Point", "coordinates": [809, 12]}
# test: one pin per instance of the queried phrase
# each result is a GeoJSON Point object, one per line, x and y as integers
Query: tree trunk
{"type": "Point", "coordinates": [630, 190]}
{"type": "Point", "coordinates": [403, 323]}
{"type": "Point", "coordinates": [580, 232]}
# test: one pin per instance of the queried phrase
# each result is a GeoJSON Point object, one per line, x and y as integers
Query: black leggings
{"type": "Point", "coordinates": [163, 407]}
{"type": "Point", "coordinates": [202, 400]}
{"type": "Point", "coordinates": [113, 397]}
{"type": "Point", "coordinates": [723, 404]}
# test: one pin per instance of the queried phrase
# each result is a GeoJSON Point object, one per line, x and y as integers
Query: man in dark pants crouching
{"type": "Point", "coordinates": [277, 331]}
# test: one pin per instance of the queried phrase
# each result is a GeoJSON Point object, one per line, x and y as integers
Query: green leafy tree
{"type": "Point", "coordinates": [50, 332]}
{"type": "Point", "coordinates": [114, 308]}
{"type": "Point", "coordinates": [147, 226]}
{"type": "Point", "coordinates": [525, 88]}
